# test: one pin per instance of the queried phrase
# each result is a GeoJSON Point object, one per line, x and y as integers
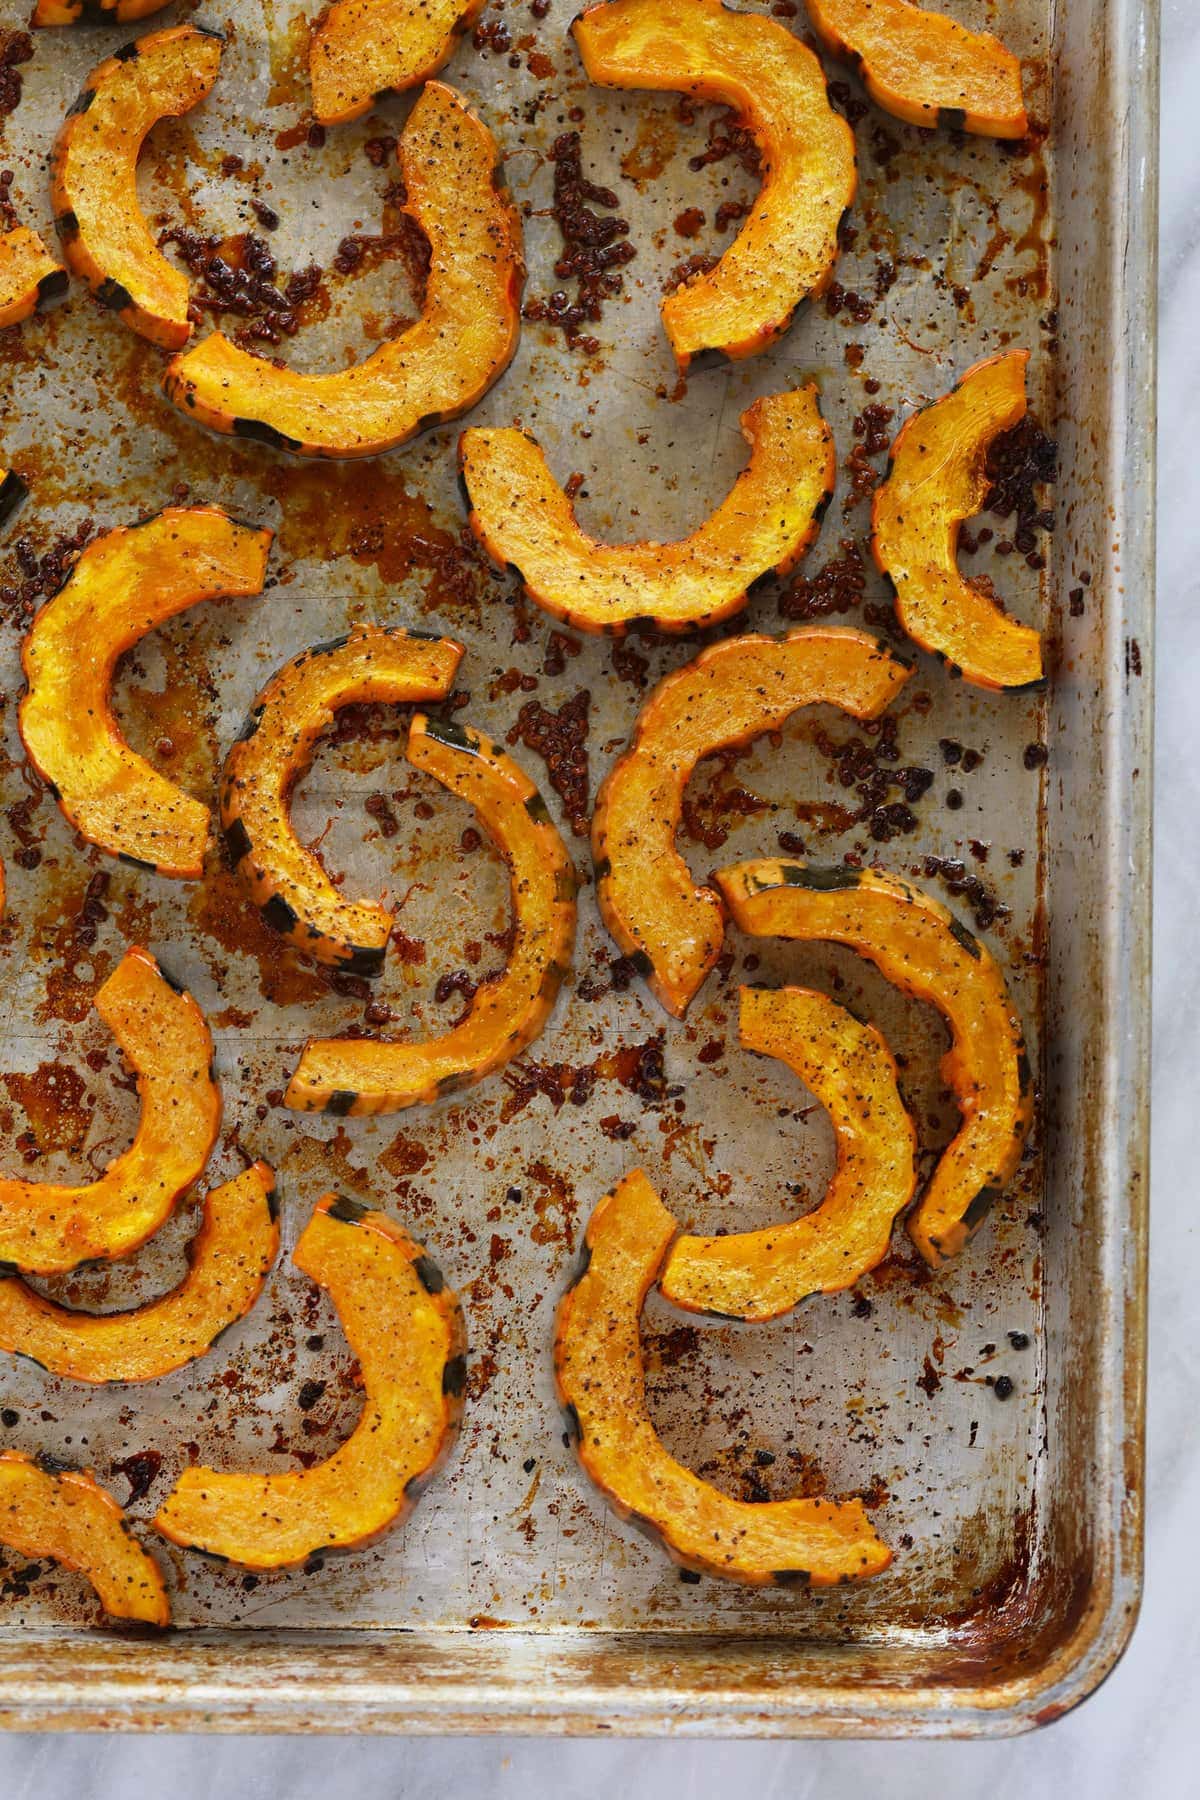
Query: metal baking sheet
{"type": "Point", "coordinates": [513, 1599]}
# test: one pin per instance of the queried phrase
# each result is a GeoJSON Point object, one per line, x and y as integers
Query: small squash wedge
{"type": "Point", "coordinates": [761, 1274]}
{"type": "Point", "coordinates": [124, 585]}
{"type": "Point", "coordinates": [936, 479]}
{"type": "Point", "coordinates": [13, 494]}
{"type": "Point", "coordinates": [524, 520]}
{"type": "Point", "coordinates": [365, 1075]}
{"type": "Point", "coordinates": [49, 1227]}
{"type": "Point", "coordinates": [93, 12]}
{"type": "Point", "coordinates": [787, 247]}
{"type": "Point", "coordinates": [361, 49]}
{"type": "Point", "coordinates": [67, 1516]}
{"type": "Point", "coordinates": [405, 1327]}
{"type": "Point", "coordinates": [30, 279]}
{"type": "Point", "coordinates": [600, 1376]}
{"type": "Point", "coordinates": [924, 67]}
{"type": "Point", "coordinates": [93, 176]}
{"type": "Point", "coordinates": [433, 371]}
{"type": "Point", "coordinates": [284, 878]}
{"type": "Point", "coordinates": [924, 950]}
{"type": "Point", "coordinates": [228, 1261]}
{"type": "Point", "coordinates": [671, 926]}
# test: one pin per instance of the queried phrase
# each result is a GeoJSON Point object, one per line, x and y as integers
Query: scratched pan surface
{"type": "Point", "coordinates": [512, 1598]}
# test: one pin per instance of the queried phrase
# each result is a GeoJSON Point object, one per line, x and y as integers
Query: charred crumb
{"type": "Point", "coordinates": [39, 577]}
{"type": "Point", "coordinates": [141, 1470]}
{"type": "Point", "coordinates": [837, 587]}
{"type": "Point", "coordinates": [1019, 462]}
{"type": "Point", "coordinates": [595, 249]}
{"type": "Point", "coordinates": [16, 47]}
{"type": "Point", "coordinates": [959, 881]}
{"type": "Point", "coordinates": [560, 739]}
{"type": "Point", "coordinates": [239, 276]}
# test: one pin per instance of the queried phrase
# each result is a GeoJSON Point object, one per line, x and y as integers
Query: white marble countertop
{"type": "Point", "coordinates": [1138, 1735]}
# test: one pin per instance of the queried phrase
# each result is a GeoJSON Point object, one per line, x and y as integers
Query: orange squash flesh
{"type": "Point", "coordinates": [924, 67]}
{"type": "Point", "coordinates": [70, 1518]}
{"type": "Point", "coordinates": [124, 585]}
{"type": "Point", "coordinates": [433, 371]}
{"type": "Point", "coordinates": [228, 1262]}
{"type": "Point", "coordinates": [29, 276]}
{"type": "Point", "coordinates": [670, 925]}
{"type": "Point", "coordinates": [405, 1327]}
{"type": "Point", "coordinates": [298, 704]}
{"type": "Point", "coordinates": [366, 1075]}
{"type": "Point", "coordinates": [785, 251]}
{"type": "Point", "coordinates": [93, 12]}
{"type": "Point", "coordinates": [936, 479]}
{"type": "Point", "coordinates": [105, 237]}
{"type": "Point", "coordinates": [361, 49]}
{"type": "Point", "coordinates": [524, 520]}
{"type": "Point", "coordinates": [600, 1376]}
{"type": "Point", "coordinates": [924, 950]}
{"type": "Point", "coordinates": [49, 1228]}
{"type": "Point", "coordinates": [761, 1274]}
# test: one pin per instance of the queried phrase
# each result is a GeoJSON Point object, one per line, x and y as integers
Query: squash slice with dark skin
{"type": "Point", "coordinates": [786, 249]}
{"type": "Point", "coordinates": [67, 1516]}
{"type": "Point", "coordinates": [926, 68]}
{"type": "Point", "coordinates": [367, 1075]}
{"type": "Point", "coordinates": [847, 1066]}
{"type": "Point", "coordinates": [13, 494]}
{"type": "Point", "coordinates": [284, 878]}
{"type": "Point", "coordinates": [434, 370]}
{"type": "Point", "coordinates": [104, 233]}
{"type": "Point", "coordinates": [524, 520]}
{"type": "Point", "coordinates": [124, 585]}
{"type": "Point", "coordinates": [50, 1227]}
{"type": "Point", "coordinates": [93, 12]}
{"type": "Point", "coordinates": [936, 480]}
{"type": "Point", "coordinates": [228, 1261]}
{"type": "Point", "coordinates": [30, 279]}
{"type": "Point", "coordinates": [405, 1327]}
{"type": "Point", "coordinates": [362, 49]}
{"type": "Point", "coordinates": [924, 951]}
{"type": "Point", "coordinates": [669, 924]}
{"type": "Point", "coordinates": [600, 1377]}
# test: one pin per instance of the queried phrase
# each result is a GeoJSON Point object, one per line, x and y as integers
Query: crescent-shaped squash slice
{"type": "Point", "coordinates": [365, 1075]}
{"type": "Point", "coordinates": [936, 479]}
{"type": "Point", "coordinates": [924, 951]}
{"type": "Point", "coordinates": [405, 1327]}
{"type": "Point", "coordinates": [228, 1261]}
{"type": "Point", "coordinates": [283, 877]}
{"type": "Point", "coordinates": [13, 494]}
{"type": "Point", "coordinates": [848, 1067]}
{"type": "Point", "coordinates": [787, 247]}
{"type": "Point", "coordinates": [671, 926]}
{"type": "Point", "coordinates": [524, 520]}
{"type": "Point", "coordinates": [437, 368]}
{"type": "Point", "coordinates": [361, 49]}
{"type": "Point", "coordinates": [29, 276]}
{"type": "Point", "coordinates": [93, 12]}
{"type": "Point", "coordinates": [70, 1518]}
{"type": "Point", "coordinates": [125, 584]}
{"type": "Point", "coordinates": [600, 1376]}
{"type": "Point", "coordinates": [926, 68]}
{"type": "Point", "coordinates": [93, 176]}
{"type": "Point", "coordinates": [48, 1227]}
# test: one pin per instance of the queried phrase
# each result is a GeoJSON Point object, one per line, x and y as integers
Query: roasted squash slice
{"type": "Point", "coordinates": [365, 1075]}
{"type": "Point", "coordinates": [405, 1327]}
{"type": "Point", "coordinates": [937, 478]}
{"type": "Point", "coordinates": [29, 276]}
{"type": "Point", "coordinates": [926, 952]}
{"type": "Point", "coordinates": [125, 584]}
{"type": "Point", "coordinates": [47, 1227]}
{"type": "Point", "coordinates": [787, 247]}
{"type": "Point", "coordinates": [13, 494]}
{"type": "Point", "coordinates": [93, 12]}
{"type": "Point", "coordinates": [926, 68]}
{"type": "Point", "coordinates": [524, 520]}
{"type": "Point", "coordinates": [434, 371]}
{"type": "Point", "coordinates": [600, 1377]}
{"type": "Point", "coordinates": [848, 1067]}
{"type": "Point", "coordinates": [93, 176]}
{"type": "Point", "coordinates": [228, 1261]}
{"type": "Point", "coordinates": [672, 927]}
{"type": "Point", "coordinates": [359, 49]}
{"type": "Point", "coordinates": [284, 878]}
{"type": "Point", "coordinates": [67, 1516]}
